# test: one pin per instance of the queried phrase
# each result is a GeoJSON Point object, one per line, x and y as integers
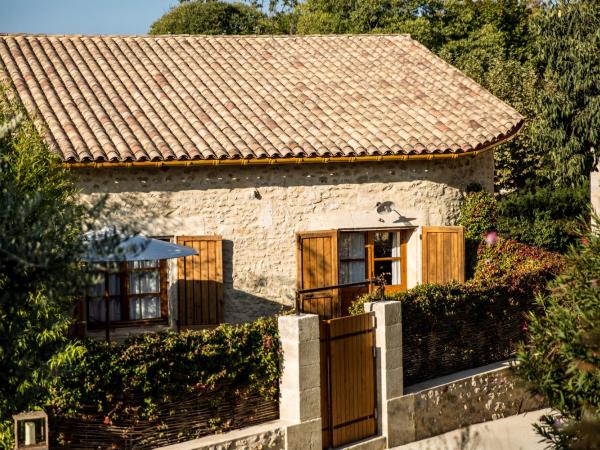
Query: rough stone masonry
{"type": "Point", "coordinates": [258, 209]}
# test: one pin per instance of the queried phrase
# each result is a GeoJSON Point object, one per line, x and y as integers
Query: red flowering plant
{"type": "Point", "coordinates": [506, 258]}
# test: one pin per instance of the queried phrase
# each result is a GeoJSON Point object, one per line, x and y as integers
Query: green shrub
{"type": "Point", "coordinates": [455, 326]}
{"type": "Point", "coordinates": [544, 217]}
{"type": "Point", "coordinates": [562, 357]}
{"type": "Point", "coordinates": [477, 216]}
{"type": "Point", "coordinates": [129, 381]}
{"type": "Point", "coordinates": [503, 266]}
{"type": "Point", "coordinates": [507, 258]}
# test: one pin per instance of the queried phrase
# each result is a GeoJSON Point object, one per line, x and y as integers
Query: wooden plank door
{"type": "Point", "coordinates": [200, 282]}
{"type": "Point", "coordinates": [348, 385]}
{"type": "Point", "coordinates": [317, 266]}
{"type": "Point", "coordinates": [443, 254]}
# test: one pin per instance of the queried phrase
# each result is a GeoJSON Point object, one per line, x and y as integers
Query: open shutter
{"type": "Point", "coordinates": [317, 265]}
{"type": "Point", "coordinates": [443, 254]}
{"type": "Point", "coordinates": [200, 282]}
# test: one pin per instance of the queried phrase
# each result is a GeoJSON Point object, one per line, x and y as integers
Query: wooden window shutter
{"type": "Point", "coordinates": [443, 254]}
{"type": "Point", "coordinates": [200, 282]}
{"type": "Point", "coordinates": [317, 266]}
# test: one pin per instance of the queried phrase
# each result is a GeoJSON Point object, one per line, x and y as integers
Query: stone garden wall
{"type": "Point", "coordinates": [258, 209]}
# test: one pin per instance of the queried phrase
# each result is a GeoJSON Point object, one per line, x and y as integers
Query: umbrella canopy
{"type": "Point", "coordinates": [131, 248]}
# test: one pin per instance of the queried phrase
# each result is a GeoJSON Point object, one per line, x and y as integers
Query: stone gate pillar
{"type": "Point", "coordinates": [388, 342]}
{"type": "Point", "coordinates": [300, 401]}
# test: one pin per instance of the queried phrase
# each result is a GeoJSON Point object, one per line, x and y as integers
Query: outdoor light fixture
{"type": "Point", "coordinates": [387, 207]}
{"type": "Point", "coordinates": [31, 430]}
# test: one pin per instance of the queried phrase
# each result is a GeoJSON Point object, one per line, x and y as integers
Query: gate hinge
{"type": "Point", "coordinates": [375, 414]}
{"type": "Point", "coordinates": [374, 352]}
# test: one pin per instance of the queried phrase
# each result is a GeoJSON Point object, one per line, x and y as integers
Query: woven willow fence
{"type": "Point", "coordinates": [192, 417]}
{"type": "Point", "coordinates": [456, 345]}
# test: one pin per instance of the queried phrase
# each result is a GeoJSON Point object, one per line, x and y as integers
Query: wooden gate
{"type": "Point", "coordinates": [348, 379]}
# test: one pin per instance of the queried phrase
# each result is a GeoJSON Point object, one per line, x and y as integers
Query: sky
{"type": "Point", "coordinates": [81, 16]}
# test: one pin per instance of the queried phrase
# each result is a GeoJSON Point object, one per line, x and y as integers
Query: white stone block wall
{"type": "Point", "coordinates": [258, 209]}
{"type": "Point", "coordinates": [300, 387]}
{"type": "Point", "coordinates": [390, 378]}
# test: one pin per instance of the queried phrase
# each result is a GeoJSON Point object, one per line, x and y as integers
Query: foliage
{"type": "Point", "coordinates": [128, 381]}
{"type": "Point", "coordinates": [40, 273]}
{"type": "Point", "coordinates": [546, 217]}
{"type": "Point", "coordinates": [503, 267]}
{"type": "Point", "coordinates": [456, 326]}
{"type": "Point", "coordinates": [568, 125]}
{"type": "Point", "coordinates": [212, 17]}
{"type": "Point", "coordinates": [506, 258]}
{"type": "Point", "coordinates": [562, 357]}
{"type": "Point", "coordinates": [478, 215]}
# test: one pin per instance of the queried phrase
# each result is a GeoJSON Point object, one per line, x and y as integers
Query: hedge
{"type": "Point", "coordinates": [451, 327]}
{"type": "Point", "coordinates": [142, 381]}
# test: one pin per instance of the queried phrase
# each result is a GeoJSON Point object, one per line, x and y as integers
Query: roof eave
{"type": "Point", "coordinates": [285, 161]}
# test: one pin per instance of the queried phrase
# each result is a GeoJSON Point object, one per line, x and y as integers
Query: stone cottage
{"type": "Point", "coordinates": [288, 162]}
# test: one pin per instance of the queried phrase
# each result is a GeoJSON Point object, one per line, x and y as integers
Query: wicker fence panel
{"type": "Point", "coordinates": [456, 344]}
{"type": "Point", "coordinates": [191, 417]}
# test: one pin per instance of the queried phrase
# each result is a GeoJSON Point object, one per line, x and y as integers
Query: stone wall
{"type": "Point", "coordinates": [268, 436]}
{"type": "Point", "coordinates": [465, 398]}
{"type": "Point", "coordinates": [258, 209]}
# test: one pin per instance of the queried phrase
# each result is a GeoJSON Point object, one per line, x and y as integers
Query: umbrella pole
{"type": "Point", "coordinates": [107, 303]}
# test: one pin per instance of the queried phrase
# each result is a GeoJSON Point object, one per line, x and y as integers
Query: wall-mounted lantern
{"type": "Point", "coordinates": [31, 430]}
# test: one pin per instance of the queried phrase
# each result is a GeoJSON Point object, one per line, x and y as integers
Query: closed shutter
{"type": "Point", "coordinates": [200, 282]}
{"type": "Point", "coordinates": [317, 266]}
{"type": "Point", "coordinates": [443, 254]}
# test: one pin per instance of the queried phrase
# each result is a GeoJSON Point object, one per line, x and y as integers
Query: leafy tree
{"type": "Point", "coordinates": [40, 273]}
{"type": "Point", "coordinates": [212, 17]}
{"type": "Point", "coordinates": [568, 125]}
{"type": "Point", "coordinates": [562, 358]}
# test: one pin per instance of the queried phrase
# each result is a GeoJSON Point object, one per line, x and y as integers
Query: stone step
{"type": "Point", "coordinates": [370, 443]}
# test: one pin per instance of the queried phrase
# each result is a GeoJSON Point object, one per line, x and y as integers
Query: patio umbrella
{"type": "Point", "coordinates": [127, 248]}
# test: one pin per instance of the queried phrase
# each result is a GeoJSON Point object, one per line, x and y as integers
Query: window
{"type": "Point", "coordinates": [352, 257]}
{"type": "Point", "coordinates": [137, 292]}
{"type": "Point", "coordinates": [369, 254]}
{"type": "Point", "coordinates": [386, 259]}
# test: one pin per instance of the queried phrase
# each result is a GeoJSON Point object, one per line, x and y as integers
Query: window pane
{"type": "Point", "coordinates": [144, 308]}
{"type": "Point", "coordinates": [396, 277]}
{"type": "Point", "coordinates": [383, 243]}
{"type": "Point", "coordinates": [352, 245]}
{"type": "Point", "coordinates": [144, 282]}
{"type": "Point", "coordinates": [352, 272]}
{"type": "Point", "coordinates": [97, 310]}
{"type": "Point", "coordinates": [384, 268]}
{"type": "Point", "coordinates": [396, 274]}
{"type": "Point", "coordinates": [97, 289]}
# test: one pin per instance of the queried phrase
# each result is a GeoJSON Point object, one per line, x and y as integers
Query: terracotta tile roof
{"type": "Point", "coordinates": [111, 98]}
